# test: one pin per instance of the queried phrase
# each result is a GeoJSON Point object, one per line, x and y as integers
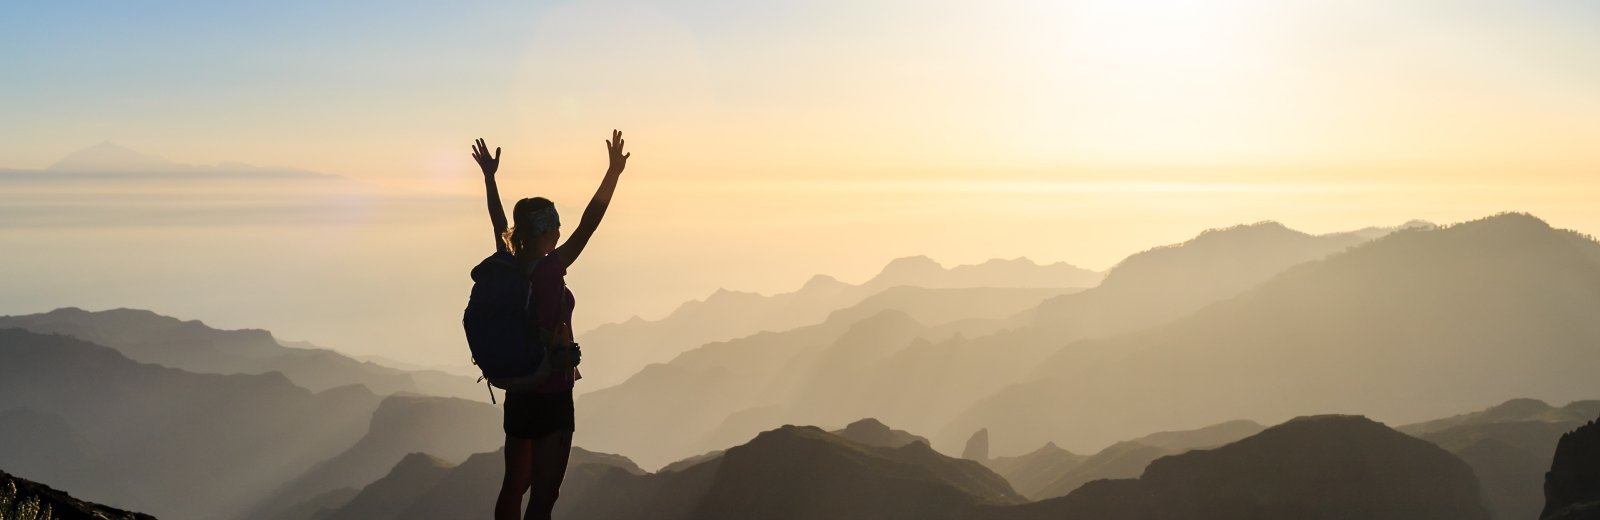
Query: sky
{"type": "Point", "coordinates": [772, 140]}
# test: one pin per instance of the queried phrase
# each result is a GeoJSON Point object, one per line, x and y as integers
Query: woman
{"type": "Point", "coordinates": [539, 419]}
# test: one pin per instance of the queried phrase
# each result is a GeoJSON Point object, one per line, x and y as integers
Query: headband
{"type": "Point", "coordinates": [542, 220]}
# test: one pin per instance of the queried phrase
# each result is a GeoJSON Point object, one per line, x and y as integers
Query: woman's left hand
{"type": "Point", "coordinates": [619, 160]}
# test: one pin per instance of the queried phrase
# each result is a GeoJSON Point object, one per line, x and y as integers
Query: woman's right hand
{"type": "Point", "coordinates": [480, 153]}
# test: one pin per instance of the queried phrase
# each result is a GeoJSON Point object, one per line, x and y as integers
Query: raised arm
{"type": "Point", "coordinates": [497, 213]}
{"type": "Point", "coordinates": [596, 210]}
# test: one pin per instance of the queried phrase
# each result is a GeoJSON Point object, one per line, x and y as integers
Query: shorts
{"type": "Point", "coordinates": [531, 415]}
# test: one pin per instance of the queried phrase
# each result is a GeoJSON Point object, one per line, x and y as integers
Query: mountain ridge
{"type": "Point", "coordinates": [1461, 293]}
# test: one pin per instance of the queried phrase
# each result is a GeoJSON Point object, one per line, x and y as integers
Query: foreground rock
{"type": "Point", "coordinates": [23, 499]}
{"type": "Point", "coordinates": [1572, 487]}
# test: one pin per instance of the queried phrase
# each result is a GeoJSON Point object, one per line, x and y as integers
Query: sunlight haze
{"type": "Point", "coordinates": [773, 141]}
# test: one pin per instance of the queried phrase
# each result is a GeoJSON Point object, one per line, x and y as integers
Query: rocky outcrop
{"type": "Point", "coordinates": [977, 446]}
{"type": "Point", "coordinates": [22, 499]}
{"type": "Point", "coordinates": [1572, 487]}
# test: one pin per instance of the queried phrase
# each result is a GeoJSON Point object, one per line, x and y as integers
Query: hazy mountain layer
{"type": "Point", "coordinates": [1449, 318]}
{"type": "Point", "coordinates": [1126, 459]}
{"type": "Point", "coordinates": [1051, 471]}
{"type": "Point", "coordinates": [898, 370]}
{"type": "Point", "coordinates": [1029, 473]}
{"type": "Point", "coordinates": [1509, 446]}
{"type": "Point", "coordinates": [177, 444]}
{"type": "Point", "coordinates": [621, 349]}
{"type": "Point", "coordinates": [148, 337]}
{"type": "Point", "coordinates": [926, 384]}
{"type": "Point", "coordinates": [1515, 410]}
{"type": "Point", "coordinates": [414, 475]}
{"type": "Point", "coordinates": [447, 428]}
{"type": "Point", "coordinates": [720, 394]}
{"type": "Point", "coordinates": [1169, 282]}
{"type": "Point", "coordinates": [1311, 468]}
{"type": "Point", "coordinates": [44, 447]}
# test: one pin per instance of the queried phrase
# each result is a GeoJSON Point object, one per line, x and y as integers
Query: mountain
{"type": "Point", "coordinates": [445, 428]}
{"type": "Point", "coordinates": [1051, 471]}
{"type": "Point", "coordinates": [414, 475]}
{"type": "Point", "coordinates": [872, 432]}
{"type": "Point", "coordinates": [1570, 487]}
{"type": "Point", "coordinates": [108, 158]}
{"type": "Point", "coordinates": [1450, 317]}
{"type": "Point", "coordinates": [1031, 472]}
{"type": "Point", "coordinates": [1509, 447]}
{"type": "Point", "coordinates": [1169, 282]}
{"type": "Point", "coordinates": [1514, 410]}
{"type": "Point", "coordinates": [111, 157]}
{"type": "Point", "coordinates": [723, 393]}
{"type": "Point", "coordinates": [174, 443]}
{"type": "Point", "coordinates": [622, 349]}
{"type": "Point", "coordinates": [22, 499]}
{"type": "Point", "coordinates": [1125, 459]}
{"type": "Point", "coordinates": [1207, 437]}
{"type": "Point", "coordinates": [148, 337]}
{"type": "Point", "coordinates": [43, 446]}
{"type": "Point", "coordinates": [1019, 273]}
{"type": "Point", "coordinates": [1323, 467]}
{"type": "Point", "coordinates": [895, 369]}
{"type": "Point", "coordinates": [977, 446]}
{"type": "Point", "coordinates": [802, 472]}
{"type": "Point", "coordinates": [926, 384]}
{"type": "Point", "coordinates": [683, 464]}
{"type": "Point", "coordinates": [1311, 468]}
{"type": "Point", "coordinates": [423, 487]}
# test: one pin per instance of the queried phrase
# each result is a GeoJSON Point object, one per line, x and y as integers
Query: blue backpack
{"type": "Point", "coordinates": [500, 330]}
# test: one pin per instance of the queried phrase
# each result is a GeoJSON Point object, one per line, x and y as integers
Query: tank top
{"type": "Point", "coordinates": [552, 304]}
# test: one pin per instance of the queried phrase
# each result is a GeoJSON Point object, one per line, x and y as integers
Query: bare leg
{"type": "Point", "coordinates": [519, 476]}
{"type": "Point", "coordinates": [549, 468]}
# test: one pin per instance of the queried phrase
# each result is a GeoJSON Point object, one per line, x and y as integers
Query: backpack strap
{"type": "Point", "coordinates": [527, 273]}
{"type": "Point", "coordinates": [486, 384]}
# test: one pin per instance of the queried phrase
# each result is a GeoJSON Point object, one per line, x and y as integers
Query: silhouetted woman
{"type": "Point", "coordinates": [539, 418]}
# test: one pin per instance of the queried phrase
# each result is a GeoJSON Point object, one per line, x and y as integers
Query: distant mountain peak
{"type": "Point", "coordinates": [791, 433]}
{"type": "Point", "coordinates": [1262, 228]}
{"type": "Point", "coordinates": [109, 156]}
{"type": "Point", "coordinates": [417, 460]}
{"type": "Point", "coordinates": [1049, 447]}
{"type": "Point", "coordinates": [908, 267]}
{"type": "Point", "coordinates": [913, 261]}
{"type": "Point", "coordinates": [1521, 405]}
{"type": "Point", "coordinates": [1021, 260]}
{"type": "Point", "coordinates": [1511, 220]}
{"type": "Point", "coordinates": [822, 281]}
{"type": "Point", "coordinates": [112, 158]}
{"type": "Point", "coordinates": [873, 432]}
{"type": "Point", "coordinates": [867, 424]}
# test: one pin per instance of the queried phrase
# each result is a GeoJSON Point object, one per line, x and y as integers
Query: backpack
{"type": "Point", "coordinates": [505, 343]}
